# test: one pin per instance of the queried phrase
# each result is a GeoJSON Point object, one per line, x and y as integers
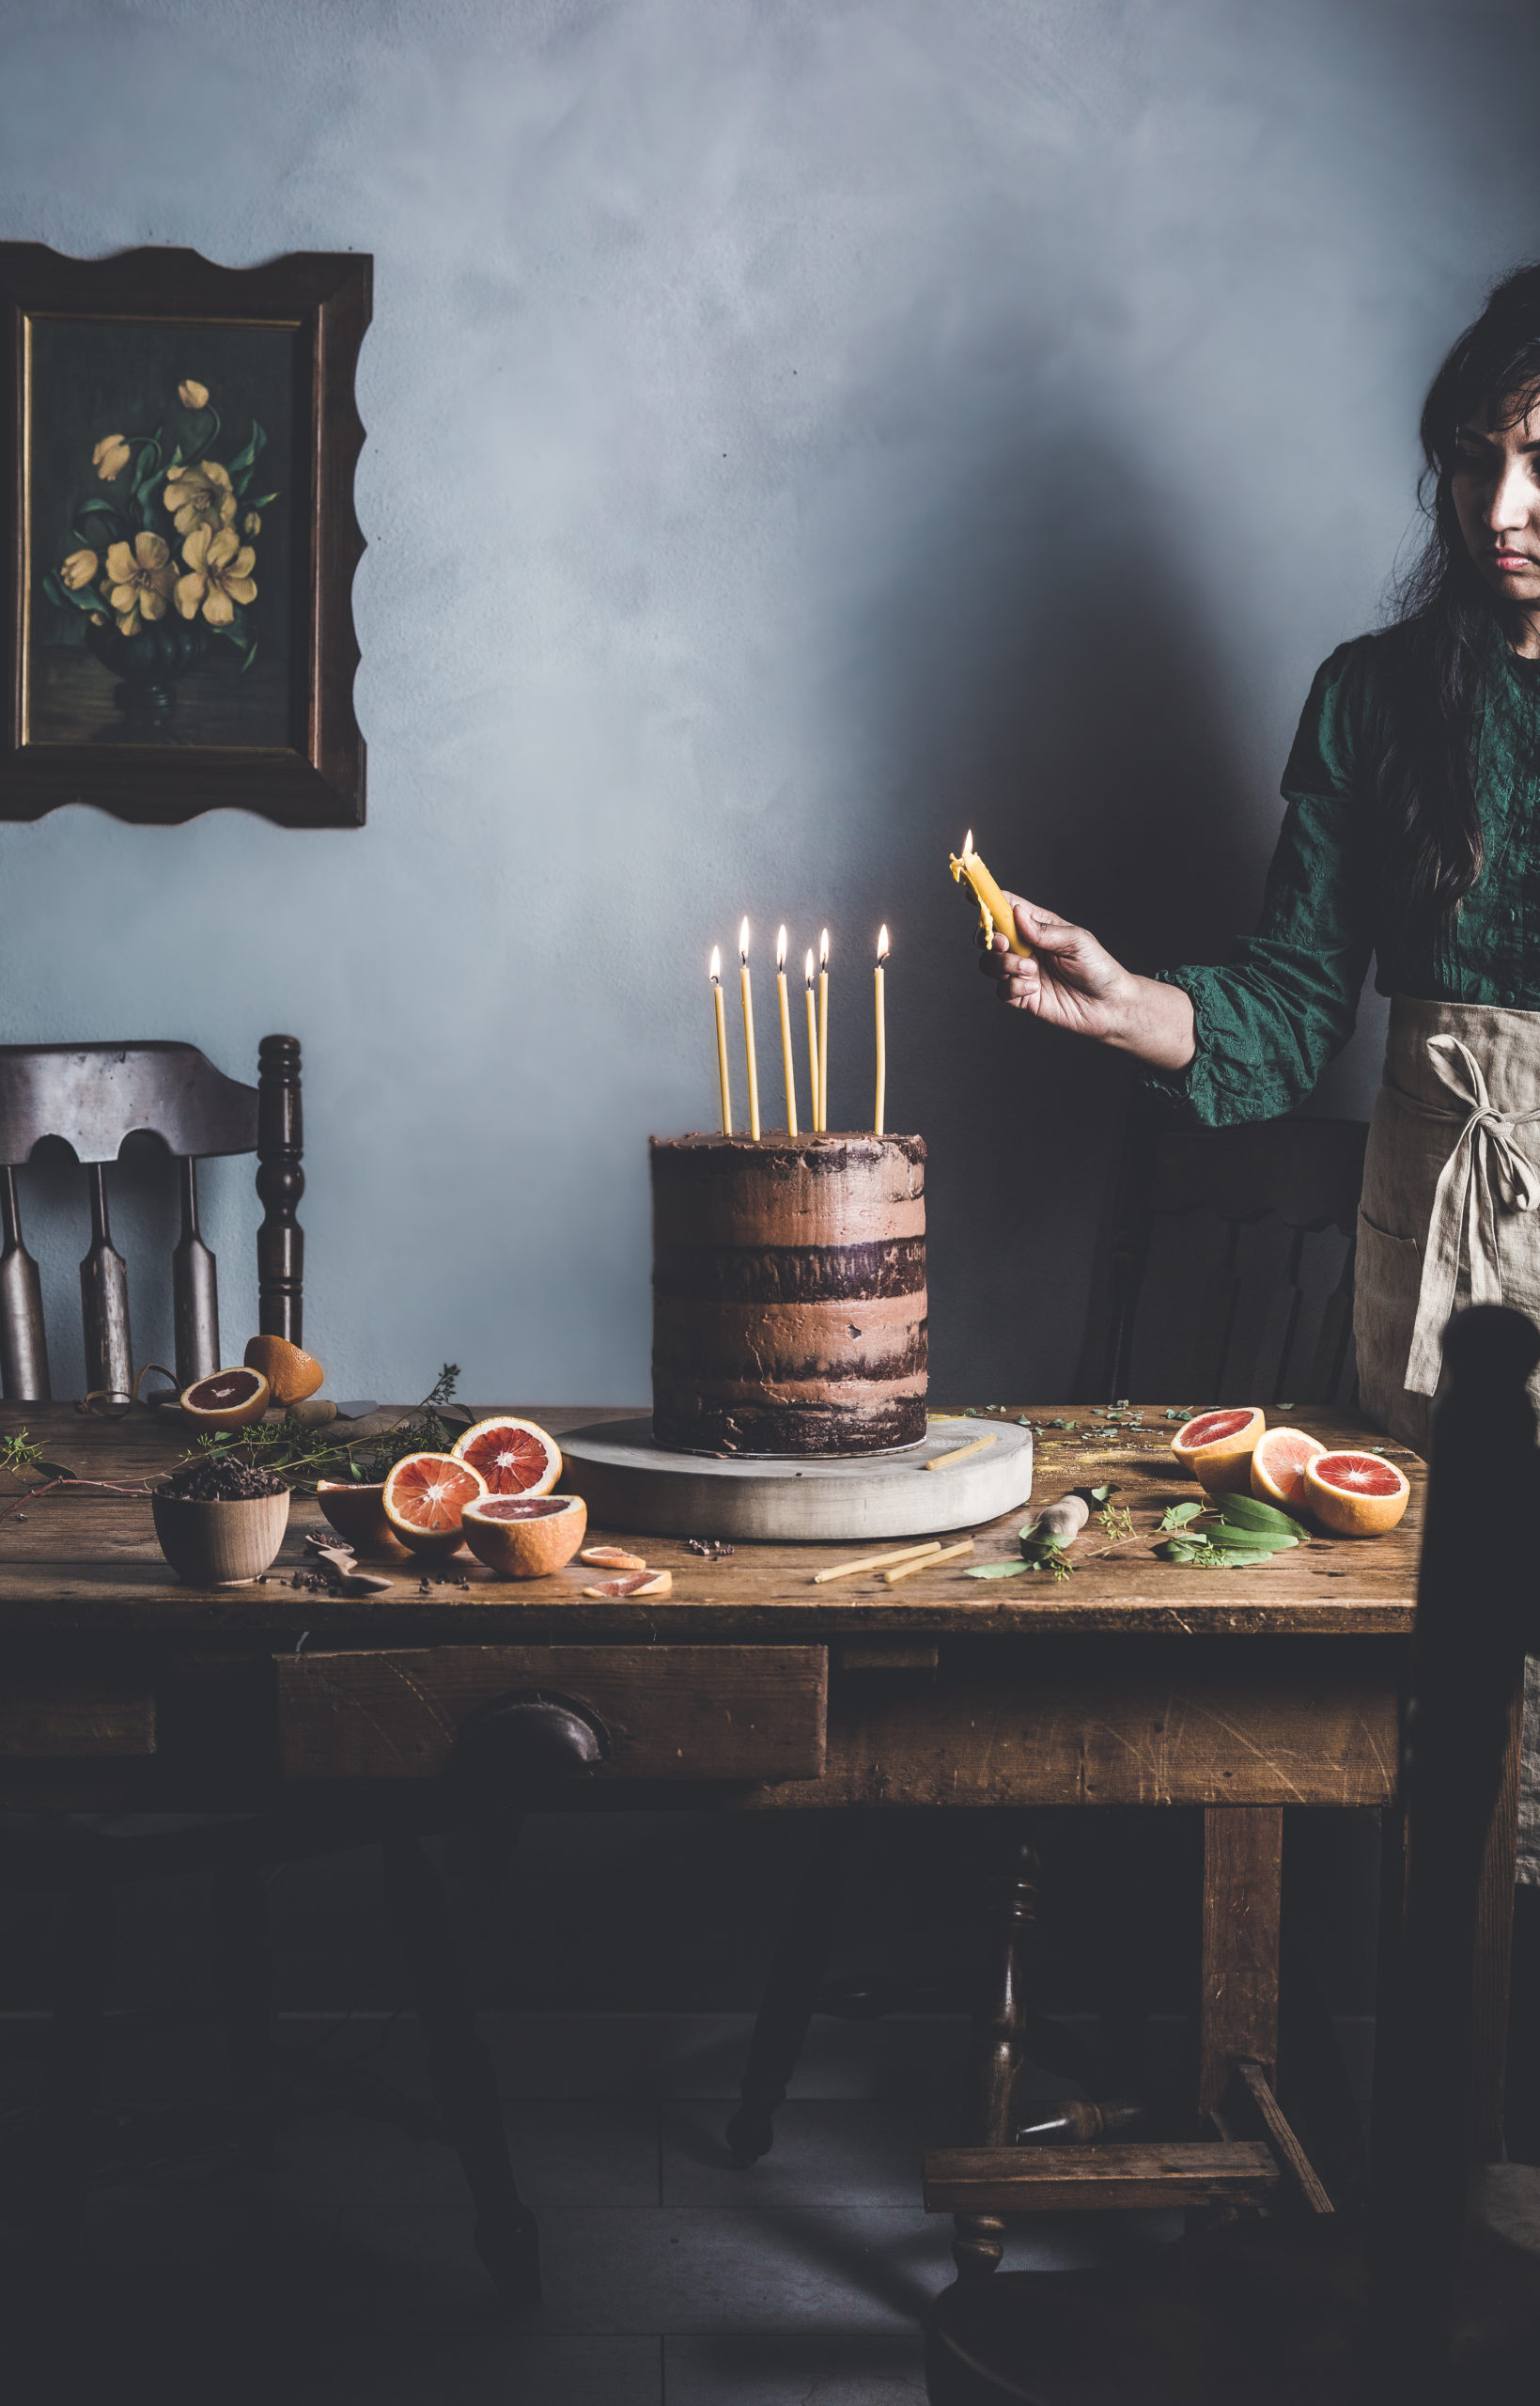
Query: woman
{"type": "Point", "coordinates": [1412, 834]}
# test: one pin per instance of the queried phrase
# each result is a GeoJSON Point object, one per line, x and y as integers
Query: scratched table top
{"type": "Point", "coordinates": [87, 1562]}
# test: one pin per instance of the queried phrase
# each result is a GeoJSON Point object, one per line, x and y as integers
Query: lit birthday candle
{"type": "Point", "coordinates": [813, 1044]}
{"type": "Point", "coordinates": [881, 1035]}
{"type": "Point", "coordinates": [788, 1070]}
{"type": "Point", "coordinates": [823, 1029]}
{"type": "Point", "coordinates": [722, 1041]}
{"type": "Point", "coordinates": [748, 1031]}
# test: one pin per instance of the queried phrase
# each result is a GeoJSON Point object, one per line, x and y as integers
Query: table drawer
{"type": "Point", "coordinates": [49, 1716]}
{"type": "Point", "coordinates": [719, 1712]}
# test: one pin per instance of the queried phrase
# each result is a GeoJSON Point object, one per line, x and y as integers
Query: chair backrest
{"type": "Point", "coordinates": [94, 1096]}
{"type": "Point", "coordinates": [1228, 1262]}
{"type": "Point", "coordinates": [1478, 1610]}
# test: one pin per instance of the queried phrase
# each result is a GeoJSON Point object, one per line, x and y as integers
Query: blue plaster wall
{"type": "Point", "coordinates": [796, 433]}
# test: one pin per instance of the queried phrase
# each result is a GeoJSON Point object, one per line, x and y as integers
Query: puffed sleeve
{"type": "Point", "coordinates": [1284, 1003]}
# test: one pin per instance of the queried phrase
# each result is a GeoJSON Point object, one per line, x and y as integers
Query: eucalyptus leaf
{"type": "Point", "coordinates": [999, 1570]}
{"type": "Point", "coordinates": [1099, 1494]}
{"type": "Point", "coordinates": [1252, 1541]}
{"type": "Point", "coordinates": [1249, 1512]}
{"type": "Point", "coordinates": [1179, 1514]}
{"type": "Point", "coordinates": [1176, 1550]}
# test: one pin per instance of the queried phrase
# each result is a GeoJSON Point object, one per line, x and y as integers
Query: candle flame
{"type": "Point", "coordinates": [780, 949]}
{"type": "Point", "coordinates": [809, 971]}
{"type": "Point", "coordinates": [716, 965]}
{"type": "Point", "coordinates": [968, 844]}
{"type": "Point", "coordinates": [823, 949]}
{"type": "Point", "coordinates": [882, 945]}
{"type": "Point", "coordinates": [743, 941]}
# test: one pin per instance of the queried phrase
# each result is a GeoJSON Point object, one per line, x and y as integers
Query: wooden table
{"type": "Point", "coordinates": [1134, 1682]}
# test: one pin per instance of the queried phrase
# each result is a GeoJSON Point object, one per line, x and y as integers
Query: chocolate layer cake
{"type": "Point", "coordinates": [788, 1282]}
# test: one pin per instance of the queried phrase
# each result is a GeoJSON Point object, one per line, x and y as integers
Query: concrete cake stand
{"type": "Point", "coordinates": [629, 1483]}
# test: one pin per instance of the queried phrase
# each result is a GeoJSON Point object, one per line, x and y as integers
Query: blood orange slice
{"type": "Point", "coordinates": [1278, 1467]}
{"type": "Point", "coordinates": [230, 1400]}
{"type": "Point", "coordinates": [611, 1557]}
{"type": "Point", "coordinates": [424, 1497]}
{"type": "Point", "coordinates": [514, 1457]}
{"type": "Point", "coordinates": [525, 1537]}
{"type": "Point", "coordinates": [1356, 1495]}
{"type": "Point", "coordinates": [635, 1582]}
{"type": "Point", "coordinates": [1217, 1447]}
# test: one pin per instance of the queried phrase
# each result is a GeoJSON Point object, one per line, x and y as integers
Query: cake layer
{"type": "Point", "coordinates": [790, 1309]}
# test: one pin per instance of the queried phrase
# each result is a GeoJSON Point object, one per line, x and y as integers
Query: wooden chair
{"type": "Point", "coordinates": [1253, 1333]}
{"type": "Point", "coordinates": [94, 1096]}
{"type": "Point", "coordinates": [1290, 2305]}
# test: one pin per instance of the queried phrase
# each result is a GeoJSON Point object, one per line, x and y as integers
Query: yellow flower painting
{"type": "Point", "coordinates": [178, 482]}
{"type": "Point", "coordinates": [219, 575]}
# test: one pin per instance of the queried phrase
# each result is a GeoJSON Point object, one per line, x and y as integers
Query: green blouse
{"type": "Point", "coordinates": [1284, 1003]}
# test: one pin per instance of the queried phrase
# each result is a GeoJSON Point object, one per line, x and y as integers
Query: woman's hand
{"type": "Point", "coordinates": [1071, 982]}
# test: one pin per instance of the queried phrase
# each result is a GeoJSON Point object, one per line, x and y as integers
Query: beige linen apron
{"type": "Point", "coordinates": [1450, 1215]}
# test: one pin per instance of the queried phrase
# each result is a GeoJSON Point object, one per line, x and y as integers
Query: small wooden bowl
{"type": "Point", "coordinates": [524, 1536]}
{"type": "Point", "coordinates": [357, 1512]}
{"type": "Point", "coordinates": [220, 1545]}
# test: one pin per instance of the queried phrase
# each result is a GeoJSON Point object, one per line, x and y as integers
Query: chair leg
{"type": "Point", "coordinates": [85, 1947]}
{"type": "Point", "coordinates": [979, 2239]}
{"type": "Point", "coordinates": [464, 2079]}
{"type": "Point", "coordinates": [244, 1990]}
{"type": "Point", "coordinates": [780, 2031]}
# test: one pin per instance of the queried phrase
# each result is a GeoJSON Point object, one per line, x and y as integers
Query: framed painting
{"type": "Point", "coordinates": [179, 447]}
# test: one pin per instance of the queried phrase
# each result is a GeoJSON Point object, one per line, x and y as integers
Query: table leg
{"type": "Point", "coordinates": [1242, 1897]}
{"type": "Point", "coordinates": [979, 2239]}
{"type": "Point", "coordinates": [464, 2078]}
{"type": "Point", "coordinates": [780, 2030]}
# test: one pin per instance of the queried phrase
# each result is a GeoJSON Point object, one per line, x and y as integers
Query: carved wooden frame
{"type": "Point", "coordinates": [319, 780]}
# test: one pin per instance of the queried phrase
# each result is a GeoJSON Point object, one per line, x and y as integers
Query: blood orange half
{"type": "Point", "coordinates": [1217, 1447]}
{"type": "Point", "coordinates": [1278, 1467]}
{"type": "Point", "coordinates": [525, 1537]}
{"type": "Point", "coordinates": [424, 1497]}
{"type": "Point", "coordinates": [514, 1457]}
{"type": "Point", "coordinates": [1356, 1495]}
{"type": "Point", "coordinates": [230, 1400]}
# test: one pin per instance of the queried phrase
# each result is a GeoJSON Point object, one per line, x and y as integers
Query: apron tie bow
{"type": "Point", "coordinates": [1485, 1168]}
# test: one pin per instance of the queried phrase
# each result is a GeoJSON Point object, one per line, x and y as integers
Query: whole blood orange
{"type": "Point", "coordinates": [1356, 1495]}
{"type": "Point", "coordinates": [514, 1457]}
{"type": "Point", "coordinates": [1217, 1447]}
{"type": "Point", "coordinates": [424, 1497]}
{"type": "Point", "coordinates": [230, 1400]}
{"type": "Point", "coordinates": [525, 1537]}
{"type": "Point", "coordinates": [291, 1373]}
{"type": "Point", "coordinates": [1278, 1467]}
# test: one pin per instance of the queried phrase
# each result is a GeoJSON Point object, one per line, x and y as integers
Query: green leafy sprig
{"type": "Point", "coordinates": [1237, 1531]}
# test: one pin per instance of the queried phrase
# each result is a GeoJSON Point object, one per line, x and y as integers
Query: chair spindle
{"type": "Point", "coordinates": [104, 1303]}
{"type": "Point", "coordinates": [194, 1290]}
{"type": "Point", "coordinates": [280, 1184]}
{"type": "Point", "coordinates": [24, 1345]}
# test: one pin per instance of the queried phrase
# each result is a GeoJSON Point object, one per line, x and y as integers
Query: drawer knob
{"type": "Point", "coordinates": [525, 1742]}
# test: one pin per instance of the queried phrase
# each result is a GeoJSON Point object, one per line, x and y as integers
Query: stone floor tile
{"type": "Point", "coordinates": [679, 2269]}
{"type": "Point", "coordinates": [826, 2149]}
{"type": "Point", "coordinates": [496, 2368]}
{"type": "Point", "coordinates": [776, 2371]}
{"type": "Point", "coordinates": [566, 2152]}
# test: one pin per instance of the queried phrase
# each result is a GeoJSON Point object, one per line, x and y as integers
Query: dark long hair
{"type": "Point", "coordinates": [1448, 617]}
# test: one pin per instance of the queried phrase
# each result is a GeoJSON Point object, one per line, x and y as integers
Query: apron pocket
{"type": "Point", "coordinates": [1387, 1280]}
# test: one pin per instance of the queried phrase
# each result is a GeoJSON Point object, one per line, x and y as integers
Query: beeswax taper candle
{"type": "Point", "coordinates": [990, 901]}
{"type": "Point", "coordinates": [748, 1031]}
{"type": "Point", "coordinates": [813, 1044]}
{"type": "Point", "coordinates": [823, 1029]}
{"type": "Point", "coordinates": [788, 1070]}
{"type": "Point", "coordinates": [722, 1041]}
{"type": "Point", "coordinates": [882, 1036]}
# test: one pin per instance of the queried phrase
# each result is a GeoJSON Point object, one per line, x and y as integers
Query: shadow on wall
{"type": "Point", "coordinates": [1045, 680]}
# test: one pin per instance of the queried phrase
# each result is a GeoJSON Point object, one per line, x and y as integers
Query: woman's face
{"type": "Point", "coordinates": [1496, 492]}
